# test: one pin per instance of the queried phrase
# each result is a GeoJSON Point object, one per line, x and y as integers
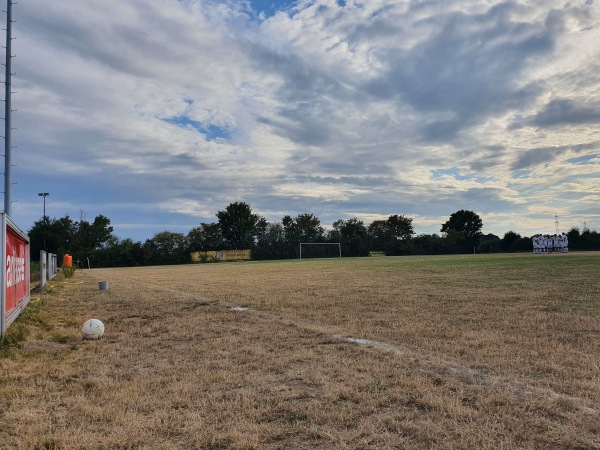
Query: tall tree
{"type": "Point", "coordinates": [119, 253]}
{"type": "Point", "coordinates": [206, 237]}
{"type": "Point", "coordinates": [588, 240]}
{"type": "Point", "coordinates": [239, 225]}
{"type": "Point", "coordinates": [167, 247]}
{"type": "Point", "coordinates": [391, 234]}
{"type": "Point", "coordinates": [88, 237]}
{"type": "Point", "coordinates": [43, 230]}
{"type": "Point", "coordinates": [400, 227]}
{"type": "Point", "coordinates": [466, 222]}
{"type": "Point", "coordinates": [271, 243]}
{"type": "Point", "coordinates": [509, 240]}
{"type": "Point", "coordinates": [463, 228]}
{"type": "Point", "coordinates": [352, 235]}
{"type": "Point", "coordinates": [378, 234]}
{"type": "Point", "coordinates": [302, 228]}
{"type": "Point", "coordinates": [66, 236]}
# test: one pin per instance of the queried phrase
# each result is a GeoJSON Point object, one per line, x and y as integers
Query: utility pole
{"type": "Point", "coordinates": [7, 113]}
{"type": "Point", "coordinates": [44, 194]}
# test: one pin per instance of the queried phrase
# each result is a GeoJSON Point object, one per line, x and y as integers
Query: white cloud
{"type": "Point", "coordinates": [183, 107]}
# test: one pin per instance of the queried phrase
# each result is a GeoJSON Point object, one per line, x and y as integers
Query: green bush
{"type": "Point", "coordinates": [68, 271]}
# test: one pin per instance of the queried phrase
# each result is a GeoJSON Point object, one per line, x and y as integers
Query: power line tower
{"type": "Point", "coordinates": [556, 223]}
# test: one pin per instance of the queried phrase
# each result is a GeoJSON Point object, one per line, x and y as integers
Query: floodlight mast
{"type": "Point", "coordinates": [44, 194]}
{"type": "Point", "coordinates": [7, 112]}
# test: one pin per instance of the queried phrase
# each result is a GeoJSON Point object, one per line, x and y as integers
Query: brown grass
{"type": "Point", "coordinates": [468, 352]}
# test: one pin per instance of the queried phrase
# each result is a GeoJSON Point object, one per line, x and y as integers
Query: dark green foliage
{"type": "Point", "coordinates": [68, 271]}
{"type": "Point", "coordinates": [509, 239]}
{"type": "Point", "coordinates": [206, 237]}
{"type": "Point", "coordinates": [490, 246]}
{"type": "Point", "coordinates": [166, 248]}
{"type": "Point", "coordinates": [588, 240]}
{"type": "Point", "coordinates": [119, 253]}
{"type": "Point", "coordinates": [430, 244]}
{"type": "Point", "coordinates": [353, 236]}
{"type": "Point", "coordinates": [302, 228]}
{"type": "Point", "coordinates": [392, 235]}
{"type": "Point", "coordinates": [80, 239]}
{"type": "Point", "coordinates": [463, 231]}
{"type": "Point", "coordinates": [271, 243]}
{"type": "Point", "coordinates": [239, 226]}
{"type": "Point", "coordinates": [466, 222]}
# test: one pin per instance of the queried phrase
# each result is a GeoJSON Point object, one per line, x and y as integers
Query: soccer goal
{"type": "Point", "coordinates": [320, 250]}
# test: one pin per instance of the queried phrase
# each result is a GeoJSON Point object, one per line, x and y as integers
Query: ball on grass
{"type": "Point", "coordinates": [92, 329]}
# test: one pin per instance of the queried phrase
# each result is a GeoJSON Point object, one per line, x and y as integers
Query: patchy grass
{"type": "Point", "coordinates": [480, 351]}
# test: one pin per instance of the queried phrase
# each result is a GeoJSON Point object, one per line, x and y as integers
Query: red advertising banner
{"type": "Point", "coordinates": [17, 270]}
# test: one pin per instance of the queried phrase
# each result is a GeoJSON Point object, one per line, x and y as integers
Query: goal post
{"type": "Point", "coordinates": [338, 250]}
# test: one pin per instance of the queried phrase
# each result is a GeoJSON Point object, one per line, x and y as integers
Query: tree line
{"type": "Point", "coordinates": [238, 227]}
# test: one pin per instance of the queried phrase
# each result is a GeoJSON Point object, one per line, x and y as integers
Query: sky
{"type": "Point", "coordinates": [159, 113]}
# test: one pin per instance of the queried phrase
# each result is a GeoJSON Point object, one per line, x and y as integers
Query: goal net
{"type": "Point", "coordinates": [320, 250]}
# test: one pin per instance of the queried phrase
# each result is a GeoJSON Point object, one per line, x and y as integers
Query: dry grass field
{"type": "Point", "coordinates": [453, 352]}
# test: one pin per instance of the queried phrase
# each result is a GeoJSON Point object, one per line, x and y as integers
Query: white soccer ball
{"type": "Point", "coordinates": [92, 329]}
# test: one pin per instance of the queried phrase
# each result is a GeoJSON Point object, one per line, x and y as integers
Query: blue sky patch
{"type": "Point", "coordinates": [582, 159]}
{"type": "Point", "coordinates": [212, 132]}
{"type": "Point", "coordinates": [454, 172]}
{"type": "Point", "coordinates": [270, 7]}
{"type": "Point", "coordinates": [521, 174]}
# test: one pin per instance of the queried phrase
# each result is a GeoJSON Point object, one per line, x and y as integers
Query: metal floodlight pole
{"type": "Point", "coordinates": [44, 194]}
{"type": "Point", "coordinates": [7, 112]}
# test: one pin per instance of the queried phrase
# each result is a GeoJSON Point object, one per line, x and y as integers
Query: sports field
{"type": "Point", "coordinates": [449, 352]}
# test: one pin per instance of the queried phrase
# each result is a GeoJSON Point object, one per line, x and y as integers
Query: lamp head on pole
{"type": "Point", "coordinates": [44, 195]}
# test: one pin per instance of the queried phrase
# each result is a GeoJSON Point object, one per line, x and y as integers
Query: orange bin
{"type": "Point", "coordinates": [67, 260]}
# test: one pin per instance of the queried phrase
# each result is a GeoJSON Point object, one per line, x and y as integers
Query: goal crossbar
{"type": "Point", "coordinates": [321, 243]}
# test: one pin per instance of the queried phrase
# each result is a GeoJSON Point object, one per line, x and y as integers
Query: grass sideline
{"type": "Point", "coordinates": [473, 351]}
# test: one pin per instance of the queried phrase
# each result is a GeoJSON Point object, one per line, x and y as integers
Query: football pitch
{"type": "Point", "coordinates": [441, 352]}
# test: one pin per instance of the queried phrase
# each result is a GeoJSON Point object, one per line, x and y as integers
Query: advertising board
{"type": "Point", "coordinates": [43, 269]}
{"type": "Point", "coordinates": [52, 266]}
{"type": "Point", "coordinates": [222, 255]}
{"type": "Point", "coordinates": [14, 280]}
